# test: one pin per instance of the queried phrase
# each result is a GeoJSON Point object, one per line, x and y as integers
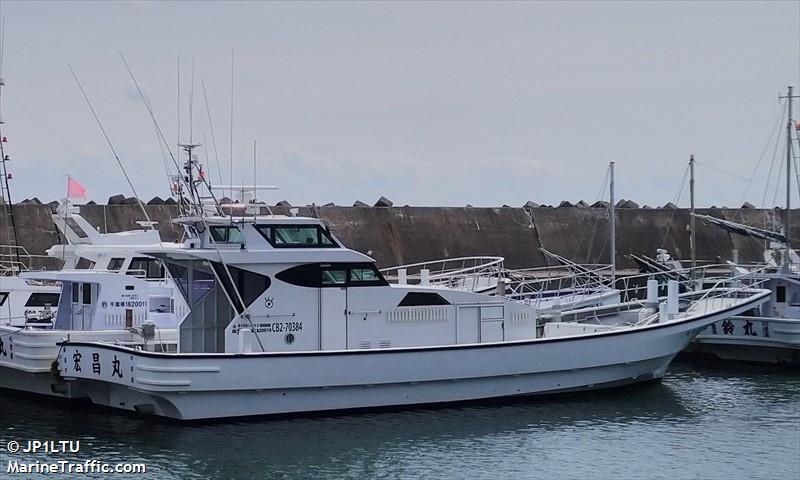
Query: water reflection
{"type": "Point", "coordinates": [694, 417]}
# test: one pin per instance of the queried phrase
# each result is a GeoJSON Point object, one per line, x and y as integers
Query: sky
{"type": "Point", "coordinates": [428, 104]}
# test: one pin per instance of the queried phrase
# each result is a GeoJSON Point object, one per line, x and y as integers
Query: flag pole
{"type": "Point", "coordinates": [66, 239]}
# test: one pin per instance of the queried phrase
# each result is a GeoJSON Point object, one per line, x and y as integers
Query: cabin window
{"type": "Point", "coordinates": [419, 299]}
{"type": "Point", "coordinates": [87, 293]}
{"type": "Point", "coordinates": [364, 275]}
{"type": "Point", "coordinates": [194, 284]}
{"type": "Point", "coordinates": [40, 299]}
{"type": "Point", "coordinates": [143, 267]}
{"type": "Point", "coordinates": [3, 298]}
{"type": "Point", "coordinates": [226, 234]}
{"type": "Point", "coordinates": [73, 225]}
{"type": "Point", "coordinates": [115, 264]}
{"type": "Point", "coordinates": [318, 275]}
{"type": "Point", "coordinates": [334, 277]}
{"type": "Point", "coordinates": [780, 294]}
{"type": "Point", "coordinates": [296, 236]}
{"type": "Point", "coordinates": [84, 264]}
{"type": "Point", "coordinates": [76, 294]}
{"type": "Point", "coordinates": [250, 285]}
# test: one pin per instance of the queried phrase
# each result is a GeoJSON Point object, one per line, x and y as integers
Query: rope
{"type": "Point", "coordinates": [676, 201]}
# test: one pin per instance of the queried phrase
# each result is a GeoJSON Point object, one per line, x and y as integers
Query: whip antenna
{"type": "Point", "coordinates": [111, 146]}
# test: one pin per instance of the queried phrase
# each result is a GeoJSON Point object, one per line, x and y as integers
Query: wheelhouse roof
{"type": "Point", "coordinates": [258, 219]}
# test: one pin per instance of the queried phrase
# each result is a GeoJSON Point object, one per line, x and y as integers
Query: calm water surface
{"type": "Point", "coordinates": [709, 423]}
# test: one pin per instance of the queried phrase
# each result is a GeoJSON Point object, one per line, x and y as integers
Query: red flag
{"type": "Point", "coordinates": [75, 189]}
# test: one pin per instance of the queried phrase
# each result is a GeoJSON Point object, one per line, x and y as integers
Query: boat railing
{"type": "Point", "coordinates": [708, 287]}
{"type": "Point", "coordinates": [15, 259]}
{"type": "Point", "coordinates": [634, 287]}
{"type": "Point", "coordinates": [565, 282]}
{"type": "Point", "coordinates": [464, 273]}
{"type": "Point", "coordinates": [710, 297]}
{"type": "Point", "coordinates": [485, 274]}
{"type": "Point", "coordinates": [735, 286]}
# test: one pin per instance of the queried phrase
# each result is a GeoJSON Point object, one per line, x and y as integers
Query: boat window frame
{"type": "Point", "coordinates": [111, 267]}
{"type": "Point", "coordinates": [267, 230]}
{"type": "Point", "coordinates": [310, 275]}
{"type": "Point", "coordinates": [226, 238]}
{"type": "Point", "coordinates": [136, 272]}
{"type": "Point", "coordinates": [84, 263]}
{"type": "Point", "coordinates": [34, 299]}
{"type": "Point", "coordinates": [780, 294]}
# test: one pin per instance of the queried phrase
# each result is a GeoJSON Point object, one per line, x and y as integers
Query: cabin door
{"type": "Point", "coordinates": [77, 309]}
{"type": "Point", "coordinates": [87, 306]}
{"type": "Point", "coordinates": [333, 318]}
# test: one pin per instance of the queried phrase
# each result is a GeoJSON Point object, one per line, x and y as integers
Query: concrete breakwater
{"type": "Point", "coordinates": [398, 235]}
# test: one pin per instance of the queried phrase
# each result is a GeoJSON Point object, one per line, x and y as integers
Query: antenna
{"type": "Point", "coordinates": [179, 98]}
{"type": "Point", "coordinates": [111, 146]}
{"type": "Point", "coordinates": [211, 128]}
{"type": "Point", "coordinates": [254, 172]}
{"type": "Point", "coordinates": [191, 105]}
{"type": "Point", "coordinates": [230, 160]}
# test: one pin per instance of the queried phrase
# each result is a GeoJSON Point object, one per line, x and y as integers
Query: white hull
{"type": "Point", "coordinates": [751, 339]}
{"type": "Point", "coordinates": [204, 386]}
{"type": "Point", "coordinates": [28, 357]}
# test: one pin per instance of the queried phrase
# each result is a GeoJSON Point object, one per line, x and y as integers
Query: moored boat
{"type": "Point", "coordinates": [285, 319]}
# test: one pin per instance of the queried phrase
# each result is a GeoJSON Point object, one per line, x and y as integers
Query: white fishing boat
{"type": "Point", "coordinates": [770, 332]}
{"type": "Point", "coordinates": [107, 291]}
{"type": "Point", "coordinates": [285, 319]}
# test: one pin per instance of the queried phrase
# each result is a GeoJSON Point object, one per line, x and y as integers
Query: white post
{"type": "Point", "coordinates": [424, 276]}
{"type": "Point", "coordinates": [652, 294]}
{"type": "Point", "coordinates": [672, 298]}
{"type": "Point", "coordinates": [402, 276]}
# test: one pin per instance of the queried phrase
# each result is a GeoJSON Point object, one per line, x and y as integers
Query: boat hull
{"type": "Point", "coordinates": [28, 357]}
{"type": "Point", "coordinates": [206, 386]}
{"type": "Point", "coordinates": [751, 339]}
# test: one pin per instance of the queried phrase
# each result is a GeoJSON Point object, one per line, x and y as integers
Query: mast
{"type": "Point", "coordinates": [786, 220]}
{"type": "Point", "coordinates": [692, 239]}
{"type": "Point", "coordinates": [5, 192]}
{"type": "Point", "coordinates": [611, 214]}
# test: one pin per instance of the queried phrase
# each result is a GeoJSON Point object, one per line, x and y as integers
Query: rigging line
{"type": "Point", "coordinates": [2, 43]}
{"type": "Point", "coordinates": [163, 159]}
{"type": "Point", "coordinates": [179, 102]}
{"type": "Point", "coordinates": [111, 146]}
{"type": "Point", "coordinates": [9, 202]}
{"type": "Point", "coordinates": [771, 168]}
{"type": "Point", "coordinates": [726, 172]}
{"type": "Point", "coordinates": [763, 152]}
{"type": "Point", "coordinates": [779, 162]}
{"type": "Point", "coordinates": [600, 196]}
{"type": "Point", "coordinates": [53, 131]}
{"type": "Point", "coordinates": [150, 111]}
{"type": "Point", "coordinates": [211, 129]}
{"type": "Point", "coordinates": [676, 201]}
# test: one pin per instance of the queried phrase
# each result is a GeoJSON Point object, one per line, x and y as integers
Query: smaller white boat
{"type": "Point", "coordinates": [108, 291]}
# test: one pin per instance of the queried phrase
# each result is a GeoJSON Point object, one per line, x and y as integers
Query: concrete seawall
{"type": "Point", "coordinates": [396, 235]}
